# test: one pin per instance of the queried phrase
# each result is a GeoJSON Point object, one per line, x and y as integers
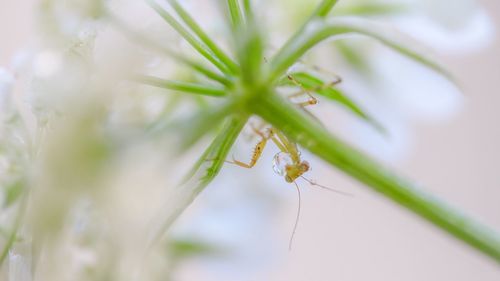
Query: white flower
{"type": "Point", "coordinates": [404, 92]}
{"type": "Point", "coordinates": [6, 85]}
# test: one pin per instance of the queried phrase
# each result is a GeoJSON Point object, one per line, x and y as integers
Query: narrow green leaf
{"type": "Point", "coordinates": [324, 8]}
{"type": "Point", "coordinates": [13, 191]}
{"type": "Point", "coordinates": [191, 23]}
{"type": "Point", "coordinates": [12, 236]}
{"type": "Point", "coordinates": [320, 30]}
{"type": "Point", "coordinates": [247, 6]}
{"type": "Point", "coordinates": [195, 43]}
{"type": "Point", "coordinates": [302, 129]}
{"type": "Point", "coordinates": [236, 13]}
{"type": "Point", "coordinates": [250, 50]}
{"type": "Point", "coordinates": [313, 83]}
{"type": "Point", "coordinates": [185, 87]}
{"type": "Point", "coordinates": [141, 38]}
{"type": "Point", "coordinates": [216, 153]}
{"type": "Point", "coordinates": [371, 9]}
{"type": "Point", "coordinates": [354, 57]}
{"type": "Point", "coordinates": [194, 128]}
{"type": "Point", "coordinates": [180, 249]}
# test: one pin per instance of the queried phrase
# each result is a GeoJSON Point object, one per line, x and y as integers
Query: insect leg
{"type": "Point", "coordinates": [288, 146]}
{"type": "Point", "coordinates": [311, 101]}
{"type": "Point", "coordinates": [257, 152]}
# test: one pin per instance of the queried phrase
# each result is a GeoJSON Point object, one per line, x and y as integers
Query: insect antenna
{"type": "Point", "coordinates": [311, 182]}
{"type": "Point", "coordinates": [296, 218]}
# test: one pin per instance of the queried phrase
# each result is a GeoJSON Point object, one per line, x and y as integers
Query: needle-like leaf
{"type": "Point", "coordinates": [320, 30]}
{"type": "Point", "coordinates": [193, 25]}
{"type": "Point", "coordinates": [194, 42]}
{"type": "Point", "coordinates": [180, 86]}
{"type": "Point", "coordinates": [315, 84]}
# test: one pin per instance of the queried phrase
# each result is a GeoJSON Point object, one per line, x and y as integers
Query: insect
{"type": "Point", "coordinates": [287, 162]}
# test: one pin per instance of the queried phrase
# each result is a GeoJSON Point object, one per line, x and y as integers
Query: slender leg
{"type": "Point", "coordinates": [311, 101]}
{"type": "Point", "coordinates": [272, 134]}
{"type": "Point", "coordinates": [257, 152]}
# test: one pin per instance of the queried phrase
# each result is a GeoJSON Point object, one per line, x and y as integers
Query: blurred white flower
{"type": "Point", "coordinates": [400, 92]}
{"type": "Point", "coordinates": [449, 26]}
{"type": "Point", "coordinates": [6, 85]}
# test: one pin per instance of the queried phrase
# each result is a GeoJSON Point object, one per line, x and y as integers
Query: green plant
{"type": "Point", "coordinates": [247, 86]}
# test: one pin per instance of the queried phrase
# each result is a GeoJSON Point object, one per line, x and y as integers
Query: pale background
{"type": "Point", "coordinates": [368, 238]}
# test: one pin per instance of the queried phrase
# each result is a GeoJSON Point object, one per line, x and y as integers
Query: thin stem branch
{"type": "Point", "coordinates": [15, 228]}
{"type": "Point", "coordinates": [236, 14]}
{"type": "Point", "coordinates": [191, 23]}
{"type": "Point", "coordinates": [148, 42]}
{"type": "Point", "coordinates": [324, 8]}
{"type": "Point", "coordinates": [247, 6]}
{"type": "Point", "coordinates": [194, 42]}
{"type": "Point", "coordinates": [321, 30]}
{"type": "Point", "coordinates": [185, 87]}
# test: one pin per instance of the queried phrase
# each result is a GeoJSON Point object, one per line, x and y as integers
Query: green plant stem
{"type": "Point", "coordinates": [148, 42]}
{"type": "Point", "coordinates": [321, 30]}
{"type": "Point", "coordinates": [191, 23]}
{"type": "Point", "coordinates": [324, 8]}
{"type": "Point", "coordinates": [235, 13]}
{"type": "Point", "coordinates": [185, 87]}
{"type": "Point", "coordinates": [302, 129]}
{"type": "Point", "coordinates": [194, 42]}
{"type": "Point", "coordinates": [15, 228]}
{"type": "Point", "coordinates": [247, 6]}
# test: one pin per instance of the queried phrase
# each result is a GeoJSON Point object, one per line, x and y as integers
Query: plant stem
{"type": "Point", "coordinates": [191, 23]}
{"type": "Point", "coordinates": [235, 13]}
{"type": "Point", "coordinates": [305, 131]}
{"type": "Point", "coordinates": [199, 46]}
{"type": "Point", "coordinates": [181, 86]}
{"type": "Point", "coordinates": [324, 8]}
{"type": "Point", "coordinates": [16, 225]}
{"type": "Point", "coordinates": [321, 30]}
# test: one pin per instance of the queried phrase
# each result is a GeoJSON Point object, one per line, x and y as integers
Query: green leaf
{"type": "Point", "coordinates": [194, 42]}
{"type": "Point", "coordinates": [371, 9]}
{"type": "Point", "coordinates": [193, 25]}
{"type": "Point", "coordinates": [321, 30]}
{"type": "Point", "coordinates": [247, 7]}
{"type": "Point", "coordinates": [13, 192]}
{"type": "Point", "coordinates": [312, 83]}
{"type": "Point", "coordinates": [235, 13]}
{"type": "Point", "coordinates": [185, 87]}
{"type": "Point", "coordinates": [217, 151]}
{"type": "Point", "coordinates": [148, 42]}
{"type": "Point", "coordinates": [12, 236]}
{"type": "Point", "coordinates": [324, 8]}
{"type": "Point", "coordinates": [354, 57]}
{"type": "Point", "coordinates": [186, 248]}
{"type": "Point", "coordinates": [189, 131]}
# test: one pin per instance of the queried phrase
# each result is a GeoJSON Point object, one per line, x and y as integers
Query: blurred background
{"type": "Point", "coordinates": [450, 147]}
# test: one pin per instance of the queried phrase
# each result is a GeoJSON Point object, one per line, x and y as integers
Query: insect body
{"type": "Point", "coordinates": [287, 162]}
